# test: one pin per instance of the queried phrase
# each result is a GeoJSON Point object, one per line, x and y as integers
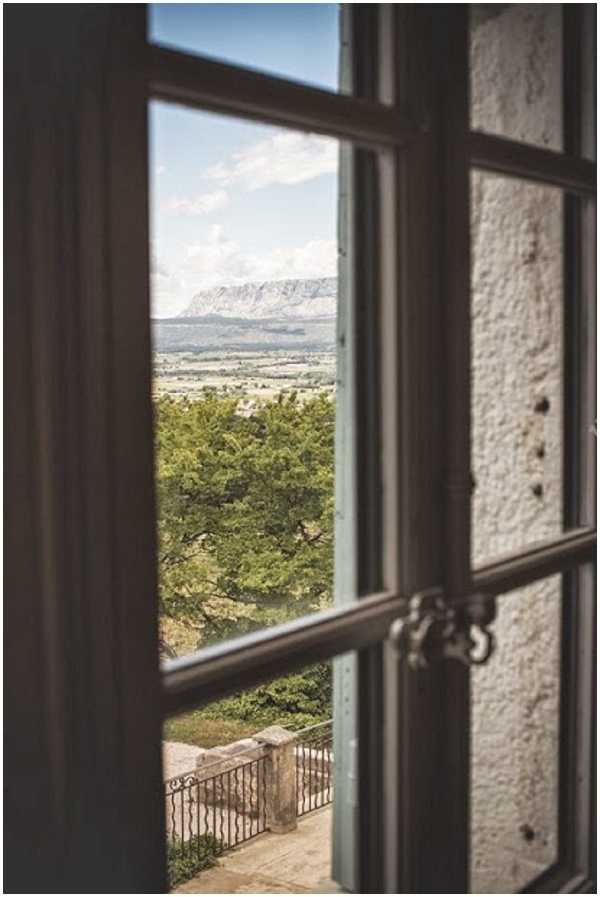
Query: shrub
{"type": "Point", "coordinates": [294, 701]}
{"type": "Point", "coordinates": [186, 859]}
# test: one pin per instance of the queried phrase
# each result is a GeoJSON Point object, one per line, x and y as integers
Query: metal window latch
{"type": "Point", "coordinates": [433, 630]}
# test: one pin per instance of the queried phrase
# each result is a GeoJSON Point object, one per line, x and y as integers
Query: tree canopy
{"type": "Point", "coordinates": [245, 512]}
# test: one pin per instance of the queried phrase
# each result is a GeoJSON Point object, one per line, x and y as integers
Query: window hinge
{"type": "Point", "coordinates": [434, 630]}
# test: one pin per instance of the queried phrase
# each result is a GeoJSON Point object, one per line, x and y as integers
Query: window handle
{"type": "Point", "coordinates": [434, 630]}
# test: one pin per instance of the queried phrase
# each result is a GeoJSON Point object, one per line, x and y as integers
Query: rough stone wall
{"type": "Point", "coordinates": [516, 71]}
{"type": "Point", "coordinates": [517, 421]}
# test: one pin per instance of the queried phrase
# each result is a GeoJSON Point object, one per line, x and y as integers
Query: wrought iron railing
{"type": "Point", "coordinates": [314, 767]}
{"type": "Point", "coordinates": [208, 814]}
{"type": "Point", "coordinates": [224, 809]}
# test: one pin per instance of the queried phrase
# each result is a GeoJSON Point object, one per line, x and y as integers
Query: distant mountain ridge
{"type": "Point", "coordinates": [293, 299]}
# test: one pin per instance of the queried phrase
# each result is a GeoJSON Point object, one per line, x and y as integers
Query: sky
{"type": "Point", "coordinates": [234, 201]}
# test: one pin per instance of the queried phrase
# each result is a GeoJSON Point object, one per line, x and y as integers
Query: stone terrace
{"type": "Point", "coordinates": [295, 863]}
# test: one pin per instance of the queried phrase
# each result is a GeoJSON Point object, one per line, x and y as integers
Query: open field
{"type": "Point", "coordinates": [254, 359]}
{"type": "Point", "coordinates": [254, 374]}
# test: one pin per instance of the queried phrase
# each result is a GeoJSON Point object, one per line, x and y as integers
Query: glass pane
{"type": "Point", "coordinates": [254, 772]}
{"type": "Point", "coordinates": [299, 41]}
{"type": "Point", "coordinates": [517, 337]}
{"type": "Point", "coordinates": [516, 71]}
{"type": "Point", "coordinates": [515, 743]}
{"type": "Point", "coordinates": [244, 229]}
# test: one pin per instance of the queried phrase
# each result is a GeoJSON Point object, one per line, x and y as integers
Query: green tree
{"type": "Point", "coordinates": [245, 512]}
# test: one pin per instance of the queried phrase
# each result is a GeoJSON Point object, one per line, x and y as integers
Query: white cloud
{"type": "Point", "coordinates": [156, 266]}
{"type": "Point", "coordinates": [317, 258]}
{"type": "Point", "coordinates": [168, 292]}
{"type": "Point", "coordinates": [220, 261]}
{"type": "Point", "coordinates": [200, 205]}
{"type": "Point", "coordinates": [160, 169]}
{"type": "Point", "coordinates": [284, 158]}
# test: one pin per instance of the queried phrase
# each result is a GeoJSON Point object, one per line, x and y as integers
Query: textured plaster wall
{"type": "Point", "coordinates": [517, 421]}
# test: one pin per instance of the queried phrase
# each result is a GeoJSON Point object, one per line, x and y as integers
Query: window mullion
{"type": "Point", "coordinates": [365, 230]}
{"type": "Point", "coordinates": [427, 713]}
{"type": "Point", "coordinates": [578, 701]}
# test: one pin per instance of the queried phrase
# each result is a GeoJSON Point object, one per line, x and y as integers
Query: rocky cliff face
{"type": "Point", "coordinates": [309, 298]}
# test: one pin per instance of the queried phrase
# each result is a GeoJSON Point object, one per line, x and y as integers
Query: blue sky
{"type": "Point", "coordinates": [234, 201]}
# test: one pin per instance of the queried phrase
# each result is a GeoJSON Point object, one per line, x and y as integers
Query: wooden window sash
{"type": "Point", "coordinates": [240, 663]}
{"type": "Point", "coordinates": [197, 82]}
{"type": "Point", "coordinates": [392, 127]}
{"type": "Point", "coordinates": [202, 83]}
{"type": "Point", "coordinates": [509, 157]}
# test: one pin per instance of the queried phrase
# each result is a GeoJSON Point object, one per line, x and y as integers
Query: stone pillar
{"type": "Point", "coordinates": [281, 778]}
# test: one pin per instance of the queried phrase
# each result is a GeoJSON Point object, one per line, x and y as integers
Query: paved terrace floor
{"type": "Point", "coordinates": [296, 863]}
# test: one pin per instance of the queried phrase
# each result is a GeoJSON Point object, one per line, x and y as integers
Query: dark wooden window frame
{"type": "Point", "coordinates": [83, 685]}
{"type": "Point", "coordinates": [229, 89]}
{"type": "Point", "coordinates": [422, 63]}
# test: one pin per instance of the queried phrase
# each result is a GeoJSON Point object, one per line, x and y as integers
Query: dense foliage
{"type": "Point", "coordinates": [245, 512]}
{"type": "Point", "coordinates": [294, 701]}
{"type": "Point", "coordinates": [186, 859]}
{"type": "Point", "coordinates": [245, 527]}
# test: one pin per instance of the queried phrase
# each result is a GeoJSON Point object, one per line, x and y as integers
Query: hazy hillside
{"type": "Point", "coordinates": [288, 299]}
{"type": "Point", "coordinates": [227, 335]}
